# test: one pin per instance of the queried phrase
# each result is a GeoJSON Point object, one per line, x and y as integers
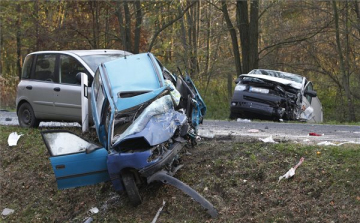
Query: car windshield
{"type": "Point", "coordinates": [95, 60]}
{"type": "Point", "coordinates": [279, 74]}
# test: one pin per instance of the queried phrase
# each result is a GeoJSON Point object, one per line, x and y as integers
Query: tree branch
{"type": "Point", "coordinates": [157, 33]}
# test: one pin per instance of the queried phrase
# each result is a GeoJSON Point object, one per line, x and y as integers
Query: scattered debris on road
{"type": "Point", "coordinates": [13, 138]}
{"type": "Point", "coordinates": [7, 211]}
{"type": "Point", "coordinates": [315, 134]}
{"type": "Point", "coordinates": [327, 143]}
{"type": "Point", "coordinates": [291, 172]}
{"type": "Point", "coordinates": [268, 140]}
{"type": "Point", "coordinates": [94, 210]}
{"type": "Point", "coordinates": [88, 220]}
{"type": "Point", "coordinates": [243, 120]}
{"type": "Point", "coordinates": [158, 213]}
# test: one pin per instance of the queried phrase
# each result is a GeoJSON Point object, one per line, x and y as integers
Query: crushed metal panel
{"type": "Point", "coordinates": [293, 84]}
{"type": "Point", "coordinates": [156, 124]}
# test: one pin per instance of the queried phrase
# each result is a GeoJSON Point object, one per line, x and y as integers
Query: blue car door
{"type": "Point", "coordinates": [75, 161]}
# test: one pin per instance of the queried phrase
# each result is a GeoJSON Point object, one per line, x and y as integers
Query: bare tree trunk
{"type": "Point", "coordinates": [345, 77]}
{"type": "Point", "coordinates": [37, 25]}
{"type": "Point", "coordinates": [106, 39]}
{"type": "Point", "coordinates": [208, 34]}
{"type": "Point", "coordinates": [1, 45]}
{"type": "Point", "coordinates": [234, 40]}
{"type": "Point", "coordinates": [235, 49]}
{"type": "Point", "coordinates": [357, 11]}
{"type": "Point", "coordinates": [243, 26]}
{"type": "Point", "coordinates": [119, 15]}
{"type": "Point", "coordinates": [18, 39]}
{"type": "Point", "coordinates": [254, 35]}
{"type": "Point", "coordinates": [127, 27]}
{"type": "Point", "coordinates": [191, 30]}
{"type": "Point", "coordinates": [138, 26]}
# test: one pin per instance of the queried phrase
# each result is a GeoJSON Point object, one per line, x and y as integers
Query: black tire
{"type": "Point", "coordinates": [131, 188]}
{"type": "Point", "coordinates": [27, 117]}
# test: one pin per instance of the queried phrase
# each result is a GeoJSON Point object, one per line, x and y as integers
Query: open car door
{"type": "Point", "coordinates": [75, 161]}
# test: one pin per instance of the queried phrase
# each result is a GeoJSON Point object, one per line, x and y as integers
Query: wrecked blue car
{"type": "Point", "coordinates": [144, 116]}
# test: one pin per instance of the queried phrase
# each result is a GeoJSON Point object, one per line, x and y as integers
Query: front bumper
{"type": "Point", "coordinates": [247, 104]}
{"type": "Point", "coordinates": [117, 162]}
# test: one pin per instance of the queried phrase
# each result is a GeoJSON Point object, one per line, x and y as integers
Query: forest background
{"type": "Point", "coordinates": [214, 41]}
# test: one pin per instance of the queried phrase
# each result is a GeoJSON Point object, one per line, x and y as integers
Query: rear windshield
{"type": "Point", "coordinates": [95, 60]}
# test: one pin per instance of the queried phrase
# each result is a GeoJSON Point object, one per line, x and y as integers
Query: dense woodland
{"type": "Point", "coordinates": [214, 41]}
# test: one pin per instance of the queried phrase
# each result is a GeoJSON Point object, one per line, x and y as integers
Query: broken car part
{"type": "Point", "coordinates": [167, 179]}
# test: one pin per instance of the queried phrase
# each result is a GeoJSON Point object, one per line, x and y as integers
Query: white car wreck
{"type": "Point", "coordinates": [274, 95]}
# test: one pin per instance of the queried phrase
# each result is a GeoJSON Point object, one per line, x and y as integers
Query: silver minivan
{"type": "Point", "coordinates": [49, 88]}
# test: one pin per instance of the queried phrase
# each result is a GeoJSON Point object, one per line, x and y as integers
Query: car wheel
{"type": "Point", "coordinates": [131, 188]}
{"type": "Point", "coordinates": [27, 117]}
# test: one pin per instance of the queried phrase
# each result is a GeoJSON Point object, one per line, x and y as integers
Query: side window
{"type": "Point", "coordinates": [45, 67]}
{"type": "Point", "coordinates": [309, 87]}
{"type": "Point", "coordinates": [26, 71]}
{"type": "Point", "coordinates": [68, 69]}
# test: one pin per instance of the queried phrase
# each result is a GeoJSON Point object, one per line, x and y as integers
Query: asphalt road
{"type": "Point", "coordinates": [279, 131]}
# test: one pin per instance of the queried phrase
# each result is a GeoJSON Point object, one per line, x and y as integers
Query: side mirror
{"type": "Point", "coordinates": [237, 80]}
{"type": "Point", "coordinates": [78, 78]}
{"type": "Point", "coordinates": [311, 93]}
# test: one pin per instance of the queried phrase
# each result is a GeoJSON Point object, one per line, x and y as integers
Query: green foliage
{"type": "Point", "coordinates": [215, 98]}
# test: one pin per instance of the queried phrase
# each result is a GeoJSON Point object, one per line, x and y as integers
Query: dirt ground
{"type": "Point", "coordinates": [239, 178]}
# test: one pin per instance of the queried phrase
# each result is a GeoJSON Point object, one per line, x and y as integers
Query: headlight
{"type": "Point", "coordinates": [240, 87]}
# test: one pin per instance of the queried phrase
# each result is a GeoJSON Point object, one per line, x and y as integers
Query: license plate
{"type": "Point", "coordinates": [259, 90]}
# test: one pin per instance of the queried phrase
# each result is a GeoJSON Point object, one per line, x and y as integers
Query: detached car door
{"type": "Point", "coordinates": [75, 161]}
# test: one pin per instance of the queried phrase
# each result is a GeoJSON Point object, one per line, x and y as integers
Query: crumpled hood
{"type": "Point", "coordinates": [156, 124]}
{"type": "Point", "coordinates": [275, 79]}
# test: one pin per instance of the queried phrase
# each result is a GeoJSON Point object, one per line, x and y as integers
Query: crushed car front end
{"type": "Point", "coordinates": [146, 119]}
{"type": "Point", "coordinates": [264, 96]}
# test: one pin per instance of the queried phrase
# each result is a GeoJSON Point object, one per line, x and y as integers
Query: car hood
{"type": "Point", "coordinates": [274, 79]}
{"type": "Point", "coordinates": [133, 80]}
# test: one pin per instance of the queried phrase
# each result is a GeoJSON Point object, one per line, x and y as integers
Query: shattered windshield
{"type": "Point", "coordinates": [95, 60]}
{"type": "Point", "coordinates": [279, 74]}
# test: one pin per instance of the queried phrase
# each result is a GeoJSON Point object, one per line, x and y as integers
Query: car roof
{"type": "Point", "coordinates": [85, 52]}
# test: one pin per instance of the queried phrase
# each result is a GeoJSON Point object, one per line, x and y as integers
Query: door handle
{"type": "Point", "coordinates": [29, 87]}
{"type": "Point", "coordinates": [57, 89]}
{"type": "Point", "coordinates": [58, 167]}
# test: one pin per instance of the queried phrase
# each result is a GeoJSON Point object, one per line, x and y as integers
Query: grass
{"type": "Point", "coordinates": [239, 178]}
